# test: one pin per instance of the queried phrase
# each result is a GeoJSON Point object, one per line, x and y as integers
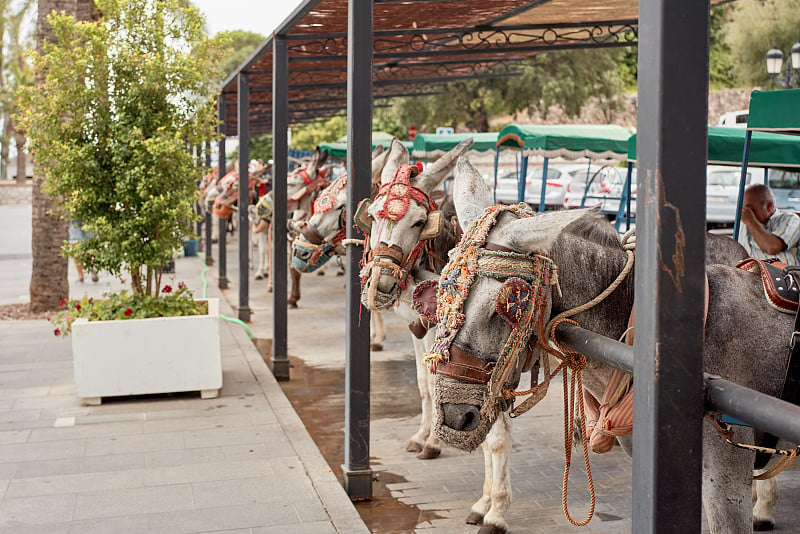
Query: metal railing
{"type": "Point", "coordinates": [757, 409]}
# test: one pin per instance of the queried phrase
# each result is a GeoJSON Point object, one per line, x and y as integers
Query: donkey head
{"type": "Point", "coordinates": [325, 229]}
{"type": "Point", "coordinates": [490, 297]}
{"type": "Point", "coordinates": [303, 183]}
{"type": "Point", "coordinates": [401, 218]}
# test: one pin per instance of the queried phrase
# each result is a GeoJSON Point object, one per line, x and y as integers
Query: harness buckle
{"type": "Point", "coordinates": [793, 338]}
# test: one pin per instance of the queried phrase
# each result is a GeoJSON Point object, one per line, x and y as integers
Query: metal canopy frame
{"type": "Point", "coordinates": [319, 39]}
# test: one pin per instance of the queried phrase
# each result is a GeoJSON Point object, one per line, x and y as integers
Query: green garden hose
{"type": "Point", "coordinates": [205, 288]}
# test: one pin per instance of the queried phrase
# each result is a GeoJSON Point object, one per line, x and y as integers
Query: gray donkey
{"type": "Point", "coordinates": [743, 332]}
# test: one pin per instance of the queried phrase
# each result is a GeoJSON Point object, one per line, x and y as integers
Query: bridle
{"type": "Point", "coordinates": [310, 240]}
{"type": "Point", "coordinates": [397, 195]}
{"type": "Point", "coordinates": [521, 301]}
{"type": "Point", "coordinates": [319, 182]}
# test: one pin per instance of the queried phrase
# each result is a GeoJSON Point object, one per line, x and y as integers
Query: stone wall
{"type": "Point", "coordinates": [719, 102]}
{"type": "Point", "coordinates": [12, 193]}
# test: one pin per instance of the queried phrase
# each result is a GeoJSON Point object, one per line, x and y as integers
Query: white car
{"type": "Point", "coordinates": [722, 191]}
{"type": "Point", "coordinates": [558, 176]}
{"type": "Point", "coordinates": [601, 183]}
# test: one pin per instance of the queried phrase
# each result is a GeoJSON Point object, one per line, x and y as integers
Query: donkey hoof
{"type": "Point", "coordinates": [762, 525]}
{"type": "Point", "coordinates": [320, 273]}
{"type": "Point", "coordinates": [269, 289]}
{"type": "Point", "coordinates": [491, 529]}
{"type": "Point", "coordinates": [429, 453]}
{"type": "Point", "coordinates": [474, 518]}
{"type": "Point", "coordinates": [292, 305]}
{"type": "Point", "coordinates": [259, 276]}
{"type": "Point", "coordinates": [413, 446]}
{"type": "Point", "coordinates": [376, 347]}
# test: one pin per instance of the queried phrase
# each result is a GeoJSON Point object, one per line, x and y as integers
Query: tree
{"type": "Point", "coordinates": [755, 27]}
{"type": "Point", "coordinates": [119, 99]}
{"type": "Point", "coordinates": [243, 44]}
{"type": "Point", "coordinates": [16, 72]}
{"type": "Point", "coordinates": [49, 285]}
{"type": "Point", "coordinates": [568, 78]}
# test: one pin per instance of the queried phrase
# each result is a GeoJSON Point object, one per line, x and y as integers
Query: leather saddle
{"type": "Point", "coordinates": [780, 283]}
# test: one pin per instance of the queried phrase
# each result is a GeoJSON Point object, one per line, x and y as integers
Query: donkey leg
{"type": "Point", "coordinates": [378, 331]}
{"type": "Point", "coordinates": [295, 294]}
{"type": "Point", "coordinates": [498, 444]}
{"type": "Point", "coordinates": [424, 441]}
{"type": "Point", "coordinates": [482, 505]}
{"type": "Point", "coordinates": [765, 495]}
{"type": "Point", "coordinates": [269, 254]}
{"type": "Point", "coordinates": [727, 482]}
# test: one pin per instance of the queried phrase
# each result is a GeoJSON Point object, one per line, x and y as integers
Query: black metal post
{"type": "Point", "coordinates": [280, 161]}
{"type": "Point", "coordinates": [222, 268]}
{"type": "Point", "coordinates": [356, 469]}
{"type": "Point", "coordinates": [244, 311]}
{"type": "Point", "coordinates": [208, 219]}
{"type": "Point", "coordinates": [670, 216]}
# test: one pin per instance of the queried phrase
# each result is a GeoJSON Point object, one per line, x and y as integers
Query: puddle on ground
{"type": "Point", "coordinates": [317, 395]}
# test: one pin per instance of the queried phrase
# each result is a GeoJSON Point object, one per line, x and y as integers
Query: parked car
{"type": "Point", "coordinates": [722, 191]}
{"type": "Point", "coordinates": [558, 176]}
{"type": "Point", "coordinates": [601, 181]}
{"type": "Point", "coordinates": [734, 119]}
{"type": "Point", "coordinates": [785, 184]}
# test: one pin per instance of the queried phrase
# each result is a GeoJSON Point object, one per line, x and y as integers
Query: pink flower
{"type": "Point", "coordinates": [167, 289]}
{"type": "Point", "coordinates": [128, 312]}
{"type": "Point", "coordinates": [63, 302]}
{"type": "Point", "coordinates": [121, 280]}
{"type": "Point", "coordinates": [57, 332]}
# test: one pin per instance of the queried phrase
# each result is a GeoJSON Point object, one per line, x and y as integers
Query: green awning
{"type": "Point", "coordinates": [570, 141]}
{"type": "Point", "coordinates": [725, 146]}
{"type": "Point", "coordinates": [339, 150]}
{"type": "Point", "coordinates": [426, 145]}
{"type": "Point", "coordinates": [775, 111]}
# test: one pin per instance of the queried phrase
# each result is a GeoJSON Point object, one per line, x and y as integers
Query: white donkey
{"type": "Point", "coordinates": [498, 285]}
{"type": "Point", "coordinates": [406, 236]}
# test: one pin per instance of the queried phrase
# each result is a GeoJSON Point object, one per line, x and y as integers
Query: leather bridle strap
{"type": "Point", "coordinates": [311, 234]}
{"type": "Point", "coordinates": [392, 252]}
{"type": "Point", "coordinates": [465, 367]}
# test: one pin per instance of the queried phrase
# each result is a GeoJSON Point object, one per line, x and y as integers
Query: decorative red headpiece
{"type": "Point", "coordinates": [399, 193]}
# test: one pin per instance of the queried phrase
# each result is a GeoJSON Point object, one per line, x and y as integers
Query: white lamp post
{"type": "Point", "coordinates": [775, 62]}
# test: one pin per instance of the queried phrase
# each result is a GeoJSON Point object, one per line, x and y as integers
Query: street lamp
{"type": "Point", "coordinates": [775, 62]}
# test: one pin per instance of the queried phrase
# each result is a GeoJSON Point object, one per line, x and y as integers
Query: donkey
{"type": "Point", "coordinates": [743, 332]}
{"type": "Point", "coordinates": [302, 186]}
{"type": "Point", "coordinates": [402, 222]}
{"type": "Point", "coordinates": [320, 236]}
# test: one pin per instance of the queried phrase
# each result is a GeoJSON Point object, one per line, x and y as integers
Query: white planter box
{"type": "Point", "coordinates": [141, 356]}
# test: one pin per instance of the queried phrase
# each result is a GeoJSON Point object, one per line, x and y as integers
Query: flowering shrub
{"type": "Point", "coordinates": [128, 305]}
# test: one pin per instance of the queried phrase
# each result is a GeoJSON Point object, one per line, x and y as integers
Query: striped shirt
{"type": "Point", "coordinates": [784, 224]}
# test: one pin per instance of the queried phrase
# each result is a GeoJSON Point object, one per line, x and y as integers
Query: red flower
{"type": "Point", "coordinates": [181, 285]}
{"type": "Point", "coordinates": [167, 289]}
{"type": "Point", "coordinates": [128, 312]}
{"type": "Point", "coordinates": [91, 299]}
{"type": "Point", "coordinates": [78, 307]}
{"type": "Point", "coordinates": [63, 302]}
{"type": "Point", "coordinates": [57, 332]}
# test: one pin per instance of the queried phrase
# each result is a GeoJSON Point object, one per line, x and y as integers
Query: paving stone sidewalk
{"type": "Point", "coordinates": [240, 463]}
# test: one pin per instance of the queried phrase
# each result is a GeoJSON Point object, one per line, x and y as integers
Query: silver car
{"type": "Point", "coordinates": [722, 191]}
{"type": "Point", "coordinates": [559, 175]}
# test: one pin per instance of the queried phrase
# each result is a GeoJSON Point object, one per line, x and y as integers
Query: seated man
{"type": "Point", "coordinates": [768, 232]}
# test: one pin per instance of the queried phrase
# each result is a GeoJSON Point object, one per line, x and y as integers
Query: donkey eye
{"type": "Point", "coordinates": [418, 224]}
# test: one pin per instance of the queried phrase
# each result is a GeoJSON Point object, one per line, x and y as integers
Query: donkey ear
{"type": "Point", "coordinates": [398, 155]}
{"type": "Point", "coordinates": [538, 233]}
{"type": "Point", "coordinates": [379, 159]}
{"type": "Point", "coordinates": [438, 171]}
{"type": "Point", "coordinates": [322, 158]}
{"type": "Point", "coordinates": [470, 193]}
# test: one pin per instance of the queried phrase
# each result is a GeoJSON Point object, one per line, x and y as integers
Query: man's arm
{"type": "Point", "coordinates": [766, 240]}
